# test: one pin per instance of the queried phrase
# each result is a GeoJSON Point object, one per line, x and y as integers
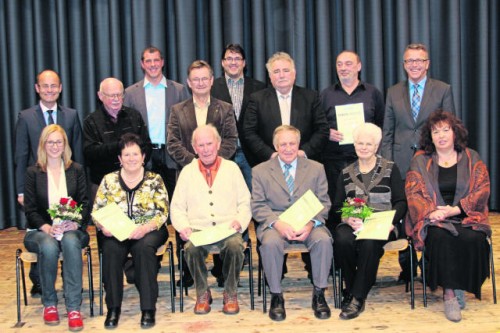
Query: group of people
{"type": "Point", "coordinates": [234, 151]}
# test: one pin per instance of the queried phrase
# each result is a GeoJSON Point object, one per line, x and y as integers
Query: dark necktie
{"type": "Point", "coordinates": [51, 120]}
{"type": "Point", "coordinates": [288, 178]}
{"type": "Point", "coordinates": [209, 178]}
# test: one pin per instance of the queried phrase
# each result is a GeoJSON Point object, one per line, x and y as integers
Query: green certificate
{"type": "Point", "coordinates": [302, 211]}
{"type": "Point", "coordinates": [115, 221]}
{"type": "Point", "coordinates": [377, 226]}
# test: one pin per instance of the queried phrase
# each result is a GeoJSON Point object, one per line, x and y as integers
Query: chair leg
{"type": "Point", "coordinates": [259, 277]}
{"type": "Point", "coordinates": [171, 271]}
{"type": "Point", "coordinates": [492, 272]}
{"type": "Point", "coordinates": [181, 283]}
{"type": "Point", "coordinates": [250, 275]}
{"type": "Point", "coordinates": [336, 302]}
{"type": "Point", "coordinates": [91, 282]}
{"type": "Point", "coordinates": [339, 290]}
{"type": "Point", "coordinates": [100, 283]}
{"type": "Point", "coordinates": [424, 280]}
{"type": "Point", "coordinates": [19, 267]}
{"type": "Point", "coordinates": [412, 279]}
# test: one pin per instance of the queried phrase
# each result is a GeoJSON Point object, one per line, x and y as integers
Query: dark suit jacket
{"type": "Point", "coordinates": [183, 123]}
{"type": "Point", "coordinates": [36, 197]}
{"type": "Point", "coordinates": [135, 98]}
{"type": "Point", "coordinates": [262, 116]}
{"type": "Point", "coordinates": [30, 124]}
{"type": "Point", "coordinates": [270, 196]}
{"type": "Point", "coordinates": [401, 133]}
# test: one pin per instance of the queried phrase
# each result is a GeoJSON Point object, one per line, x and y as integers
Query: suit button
{"type": "Point", "coordinates": [211, 204]}
{"type": "Point", "coordinates": [289, 199]}
{"type": "Point", "coordinates": [212, 215]}
{"type": "Point", "coordinates": [210, 192]}
{"type": "Point", "coordinates": [213, 223]}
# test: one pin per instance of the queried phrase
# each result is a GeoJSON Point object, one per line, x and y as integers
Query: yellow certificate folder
{"type": "Point", "coordinates": [211, 235]}
{"type": "Point", "coordinates": [377, 226]}
{"type": "Point", "coordinates": [302, 211]}
{"type": "Point", "coordinates": [115, 221]}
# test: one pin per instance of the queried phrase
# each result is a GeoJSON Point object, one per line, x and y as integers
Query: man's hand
{"type": "Point", "coordinates": [274, 155]}
{"type": "Point", "coordinates": [301, 153]}
{"type": "Point", "coordinates": [303, 233]}
{"type": "Point", "coordinates": [20, 199]}
{"type": "Point", "coordinates": [236, 226]}
{"type": "Point", "coordinates": [185, 234]}
{"type": "Point", "coordinates": [284, 229]}
{"type": "Point", "coordinates": [336, 135]}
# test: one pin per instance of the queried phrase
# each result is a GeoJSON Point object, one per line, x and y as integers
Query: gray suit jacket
{"type": "Point", "coordinates": [401, 134]}
{"type": "Point", "coordinates": [183, 123]}
{"type": "Point", "coordinates": [270, 196]}
{"type": "Point", "coordinates": [135, 97]}
{"type": "Point", "coordinates": [30, 124]}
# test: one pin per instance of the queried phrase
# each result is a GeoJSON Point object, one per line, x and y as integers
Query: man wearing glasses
{"type": "Point", "coordinates": [30, 124]}
{"type": "Point", "coordinates": [408, 104]}
{"type": "Point", "coordinates": [103, 129]}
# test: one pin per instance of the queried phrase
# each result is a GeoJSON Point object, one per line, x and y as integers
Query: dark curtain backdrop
{"type": "Point", "coordinates": [88, 40]}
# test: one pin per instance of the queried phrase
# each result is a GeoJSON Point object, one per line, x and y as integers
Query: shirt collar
{"type": "Point", "coordinates": [207, 104]}
{"type": "Point", "coordinates": [45, 109]}
{"type": "Point", "coordinates": [230, 80]}
{"type": "Point", "coordinates": [293, 164]}
{"type": "Point", "coordinates": [163, 82]}
{"type": "Point", "coordinates": [420, 83]}
{"type": "Point", "coordinates": [361, 85]}
{"type": "Point", "coordinates": [280, 94]}
{"type": "Point", "coordinates": [213, 167]}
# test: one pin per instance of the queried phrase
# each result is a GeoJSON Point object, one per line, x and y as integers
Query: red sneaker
{"type": "Point", "coordinates": [75, 322]}
{"type": "Point", "coordinates": [50, 315]}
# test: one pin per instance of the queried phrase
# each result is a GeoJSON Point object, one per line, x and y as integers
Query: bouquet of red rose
{"type": "Point", "coordinates": [67, 210]}
{"type": "Point", "coordinates": [355, 207]}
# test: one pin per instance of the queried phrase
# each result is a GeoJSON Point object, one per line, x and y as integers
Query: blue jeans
{"type": "Point", "coordinates": [246, 170]}
{"type": "Point", "coordinates": [48, 248]}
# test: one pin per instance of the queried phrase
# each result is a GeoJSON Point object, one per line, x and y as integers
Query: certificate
{"type": "Point", "coordinates": [211, 235]}
{"type": "Point", "coordinates": [115, 221]}
{"type": "Point", "coordinates": [377, 226]}
{"type": "Point", "coordinates": [302, 211]}
{"type": "Point", "coordinates": [349, 116]}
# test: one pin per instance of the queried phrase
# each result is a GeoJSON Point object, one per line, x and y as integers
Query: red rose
{"type": "Point", "coordinates": [72, 203]}
{"type": "Point", "coordinates": [63, 201]}
{"type": "Point", "coordinates": [359, 200]}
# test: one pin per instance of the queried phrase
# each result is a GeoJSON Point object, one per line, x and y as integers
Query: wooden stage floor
{"type": "Point", "coordinates": [387, 307]}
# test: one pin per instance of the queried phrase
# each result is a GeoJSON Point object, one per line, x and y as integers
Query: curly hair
{"type": "Point", "coordinates": [440, 116]}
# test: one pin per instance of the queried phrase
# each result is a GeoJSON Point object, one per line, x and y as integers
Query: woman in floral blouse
{"type": "Point", "coordinates": [143, 197]}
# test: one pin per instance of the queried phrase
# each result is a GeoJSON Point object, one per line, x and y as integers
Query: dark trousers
{"type": "Point", "coordinates": [359, 260]}
{"type": "Point", "coordinates": [145, 262]}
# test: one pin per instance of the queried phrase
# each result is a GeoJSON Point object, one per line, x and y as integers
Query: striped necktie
{"type": "Point", "coordinates": [415, 102]}
{"type": "Point", "coordinates": [288, 178]}
{"type": "Point", "coordinates": [51, 119]}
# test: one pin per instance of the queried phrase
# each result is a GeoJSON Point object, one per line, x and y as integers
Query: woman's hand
{"type": "Point", "coordinates": [185, 233]}
{"type": "Point", "coordinates": [140, 231]}
{"type": "Point", "coordinates": [355, 223]}
{"type": "Point", "coordinates": [104, 231]}
{"type": "Point", "coordinates": [69, 226]}
{"type": "Point", "coordinates": [443, 212]}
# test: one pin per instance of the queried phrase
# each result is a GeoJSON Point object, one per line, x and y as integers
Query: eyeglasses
{"type": "Point", "coordinates": [113, 96]}
{"type": "Point", "coordinates": [415, 61]}
{"type": "Point", "coordinates": [54, 143]}
{"type": "Point", "coordinates": [231, 59]}
{"type": "Point", "coordinates": [198, 79]}
{"type": "Point", "coordinates": [47, 86]}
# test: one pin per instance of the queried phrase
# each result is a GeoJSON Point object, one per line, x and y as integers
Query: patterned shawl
{"type": "Point", "coordinates": [423, 195]}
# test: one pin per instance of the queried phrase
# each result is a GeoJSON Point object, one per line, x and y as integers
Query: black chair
{"type": "Point", "coordinates": [32, 257]}
{"type": "Point", "coordinates": [294, 248]}
{"type": "Point", "coordinates": [216, 250]}
{"type": "Point", "coordinates": [492, 273]}
{"type": "Point", "coordinates": [171, 270]}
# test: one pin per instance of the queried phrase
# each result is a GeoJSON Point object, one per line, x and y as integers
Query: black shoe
{"type": "Point", "coordinates": [319, 305]}
{"type": "Point", "coordinates": [346, 299]}
{"type": "Point", "coordinates": [112, 318]}
{"type": "Point", "coordinates": [351, 311]}
{"type": "Point", "coordinates": [36, 291]}
{"type": "Point", "coordinates": [148, 318]}
{"type": "Point", "coordinates": [277, 310]}
{"type": "Point", "coordinates": [187, 282]}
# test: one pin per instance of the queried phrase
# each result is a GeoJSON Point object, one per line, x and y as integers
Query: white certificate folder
{"type": "Point", "coordinates": [302, 211]}
{"type": "Point", "coordinates": [115, 221]}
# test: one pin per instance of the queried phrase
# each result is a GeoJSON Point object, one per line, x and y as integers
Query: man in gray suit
{"type": "Point", "coordinates": [408, 105]}
{"type": "Point", "coordinates": [276, 185]}
{"type": "Point", "coordinates": [30, 124]}
{"type": "Point", "coordinates": [152, 97]}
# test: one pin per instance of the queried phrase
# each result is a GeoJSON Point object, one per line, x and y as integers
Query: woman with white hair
{"type": "Point", "coordinates": [378, 182]}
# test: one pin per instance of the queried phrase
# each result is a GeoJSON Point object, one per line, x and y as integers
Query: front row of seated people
{"type": "Point", "coordinates": [447, 191]}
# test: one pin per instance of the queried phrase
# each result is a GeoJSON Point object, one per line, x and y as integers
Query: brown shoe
{"type": "Point", "coordinates": [203, 303]}
{"type": "Point", "coordinates": [231, 306]}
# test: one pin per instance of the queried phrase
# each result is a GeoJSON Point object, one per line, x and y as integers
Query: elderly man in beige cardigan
{"type": "Point", "coordinates": [211, 192]}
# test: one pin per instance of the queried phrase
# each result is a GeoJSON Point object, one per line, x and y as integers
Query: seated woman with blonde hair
{"type": "Point", "coordinates": [447, 188]}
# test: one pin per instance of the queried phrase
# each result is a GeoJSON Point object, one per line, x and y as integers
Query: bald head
{"type": "Point", "coordinates": [111, 95]}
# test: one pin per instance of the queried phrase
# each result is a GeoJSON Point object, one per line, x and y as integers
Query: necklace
{"type": "Point", "coordinates": [450, 160]}
{"type": "Point", "coordinates": [131, 180]}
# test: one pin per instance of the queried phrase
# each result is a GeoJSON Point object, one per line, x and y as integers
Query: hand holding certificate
{"type": "Point", "coordinates": [349, 116]}
{"type": "Point", "coordinates": [302, 211]}
{"type": "Point", "coordinates": [377, 226]}
{"type": "Point", "coordinates": [115, 221]}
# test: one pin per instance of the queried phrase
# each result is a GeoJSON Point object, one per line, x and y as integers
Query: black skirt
{"type": "Point", "coordinates": [457, 262]}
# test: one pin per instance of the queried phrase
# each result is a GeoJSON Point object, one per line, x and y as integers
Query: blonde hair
{"type": "Point", "coordinates": [370, 129]}
{"type": "Point", "coordinates": [279, 56]}
{"type": "Point", "coordinates": [42, 153]}
{"type": "Point", "coordinates": [285, 128]}
{"type": "Point", "coordinates": [211, 128]}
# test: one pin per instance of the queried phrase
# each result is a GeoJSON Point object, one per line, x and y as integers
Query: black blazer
{"type": "Point", "coordinates": [262, 116]}
{"type": "Point", "coordinates": [36, 197]}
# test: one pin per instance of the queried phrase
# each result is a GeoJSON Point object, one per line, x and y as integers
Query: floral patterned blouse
{"type": "Point", "coordinates": [147, 201]}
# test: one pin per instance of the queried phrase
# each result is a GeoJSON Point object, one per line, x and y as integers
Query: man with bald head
{"type": "Point", "coordinates": [103, 128]}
